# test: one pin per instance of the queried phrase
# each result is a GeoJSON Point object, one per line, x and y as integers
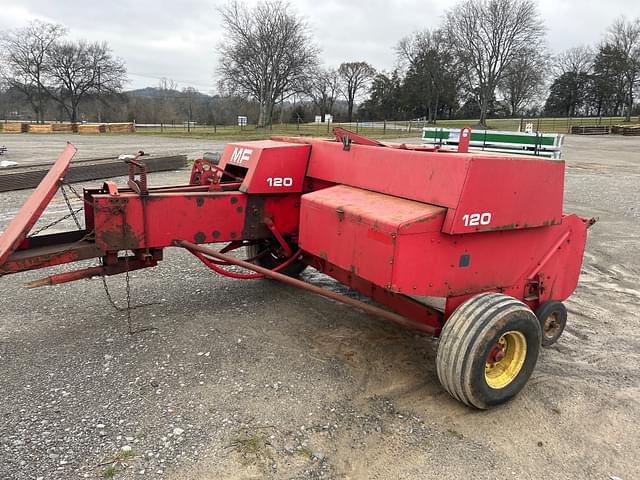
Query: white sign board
{"type": "Point", "coordinates": [242, 121]}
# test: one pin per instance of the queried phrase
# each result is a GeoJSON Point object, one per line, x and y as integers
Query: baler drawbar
{"type": "Point", "coordinates": [472, 248]}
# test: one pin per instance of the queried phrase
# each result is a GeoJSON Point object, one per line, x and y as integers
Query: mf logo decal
{"type": "Point", "coordinates": [240, 155]}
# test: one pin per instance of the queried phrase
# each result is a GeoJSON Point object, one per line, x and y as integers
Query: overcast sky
{"type": "Point", "coordinates": [177, 39]}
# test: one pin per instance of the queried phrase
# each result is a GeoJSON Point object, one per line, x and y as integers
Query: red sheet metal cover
{"type": "Point", "coordinates": [20, 226]}
{"type": "Point", "coordinates": [358, 230]}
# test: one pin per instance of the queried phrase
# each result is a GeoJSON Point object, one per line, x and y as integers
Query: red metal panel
{"type": "Point", "coordinates": [436, 178]}
{"type": "Point", "coordinates": [483, 193]}
{"type": "Point", "coordinates": [357, 230]}
{"type": "Point", "coordinates": [204, 217]}
{"type": "Point", "coordinates": [502, 193]}
{"type": "Point", "coordinates": [443, 265]}
{"type": "Point", "coordinates": [398, 244]}
{"type": "Point", "coordinates": [268, 166]}
{"type": "Point", "coordinates": [20, 226]}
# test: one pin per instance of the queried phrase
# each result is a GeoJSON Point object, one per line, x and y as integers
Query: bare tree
{"type": "Point", "coordinates": [267, 53]}
{"type": "Point", "coordinates": [489, 35]}
{"type": "Point", "coordinates": [575, 60]}
{"type": "Point", "coordinates": [24, 53]}
{"type": "Point", "coordinates": [625, 36]}
{"type": "Point", "coordinates": [79, 69]}
{"type": "Point", "coordinates": [355, 76]}
{"type": "Point", "coordinates": [323, 89]}
{"type": "Point", "coordinates": [522, 81]}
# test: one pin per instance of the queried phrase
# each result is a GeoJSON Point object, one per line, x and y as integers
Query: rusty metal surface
{"type": "Point", "coordinates": [27, 216]}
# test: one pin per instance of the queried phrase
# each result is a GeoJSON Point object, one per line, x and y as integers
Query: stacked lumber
{"type": "Point", "coordinates": [97, 128]}
{"type": "Point", "coordinates": [590, 129]}
{"type": "Point", "coordinates": [35, 128]}
{"type": "Point", "coordinates": [16, 127]}
{"type": "Point", "coordinates": [64, 127]}
{"type": "Point", "coordinates": [627, 130]}
{"type": "Point", "coordinates": [121, 128]}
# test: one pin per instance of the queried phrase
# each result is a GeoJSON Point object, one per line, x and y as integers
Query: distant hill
{"type": "Point", "coordinates": [152, 92]}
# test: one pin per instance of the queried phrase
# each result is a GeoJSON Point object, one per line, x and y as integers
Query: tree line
{"type": "Point", "coordinates": [42, 65]}
{"type": "Point", "coordinates": [488, 59]}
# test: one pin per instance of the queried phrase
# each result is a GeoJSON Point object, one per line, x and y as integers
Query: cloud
{"type": "Point", "coordinates": [178, 39]}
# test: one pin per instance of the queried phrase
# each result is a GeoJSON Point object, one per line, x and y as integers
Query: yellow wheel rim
{"type": "Point", "coordinates": [505, 359]}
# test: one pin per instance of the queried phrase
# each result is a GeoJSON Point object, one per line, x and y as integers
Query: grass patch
{"type": "Point", "coordinates": [380, 130]}
{"type": "Point", "coordinates": [455, 434]}
{"type": "Point", "coordinates": [109, 471]}
{"type": "Point", "coordinates": [250, 445]}
{"type": "Point", "coordinates": [306, 452]}
{"type": "Point", "coordinates": [124, 455]}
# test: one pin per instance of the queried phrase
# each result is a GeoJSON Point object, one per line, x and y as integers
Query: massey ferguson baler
{"type": "Point", "coordinates": [405, 226]}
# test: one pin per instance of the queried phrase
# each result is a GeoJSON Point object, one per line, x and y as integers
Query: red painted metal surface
{"type": "Point", "coordinates": [131, 221]}
{"type": "Point", "coordinates": [267, 166]}
{"type": "Point", "coordinates": [465, 138]}
{"type": "Point", "coordinates": [504, 193]}
{"type": "Point", "coordinates": [20, 226]}
{"type": "Point", "coordinates": [400, 245]}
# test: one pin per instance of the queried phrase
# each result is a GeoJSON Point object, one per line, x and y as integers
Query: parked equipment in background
{"type": "Point", "coordinates": [537, 144]}
{"type": "Point", "coordinates": [400, 224]}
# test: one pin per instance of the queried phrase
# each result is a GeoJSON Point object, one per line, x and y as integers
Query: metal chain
{"type": "Point", "coordinates": [73, 214]}
{"type": "Point", "coordinates": [55, 222]}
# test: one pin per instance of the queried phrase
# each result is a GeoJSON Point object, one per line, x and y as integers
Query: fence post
{"type": "Point", "coordinates": [384, 127]}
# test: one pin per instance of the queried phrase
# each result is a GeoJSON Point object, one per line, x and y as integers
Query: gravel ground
{"type": "Point", "coordinates": [253, 379]}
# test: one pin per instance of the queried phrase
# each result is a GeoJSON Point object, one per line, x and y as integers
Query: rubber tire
{"type": "Point", "coordinates": [543, 311]}
{"type": "Point", "coordinates": [468, 336]}
{"type": "Point", "coordinates": [271, 262]}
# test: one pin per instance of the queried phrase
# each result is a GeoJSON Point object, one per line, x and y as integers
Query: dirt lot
{"type": "Point", "coordinates": [257, 380]}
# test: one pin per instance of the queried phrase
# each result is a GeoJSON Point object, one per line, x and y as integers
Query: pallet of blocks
{"type": "Point", "coordinates": [627, 130]}
{"type": "Point", "coordinates": [121, 128]}
{"type": "Point", "coordinates": [15, 127]}
{"type": "Point", "coordinates": [590, 129]}
{"type": "Point", "coordinates": [40, 128]}
{"type": "Point", "coordinates": [92, 128]}
{"type": "Point", "coordinates": [64, 127]}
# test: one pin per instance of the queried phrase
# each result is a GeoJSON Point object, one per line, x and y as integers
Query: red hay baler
{"type": "Point", "coordinates": [473, 248]}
